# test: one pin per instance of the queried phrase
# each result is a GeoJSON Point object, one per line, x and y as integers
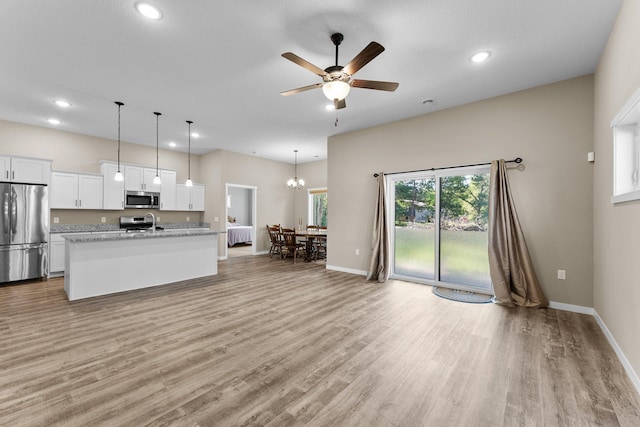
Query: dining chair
{"type": "Point", "coordinates": [290, 244]}
{"type": "Point", "coordinates": [276, 240]}
{"type": "Point", "coordinates": [320, 247]}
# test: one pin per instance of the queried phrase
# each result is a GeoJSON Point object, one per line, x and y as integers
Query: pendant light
{"type": "Point", "coordinates": [295, 183]}
{"type": "Point", "coordinates": [156, 179]}
{"type": "Point", "coordinates": [189, 183]}
{"type": "Point", "coordinates": [118, 176]}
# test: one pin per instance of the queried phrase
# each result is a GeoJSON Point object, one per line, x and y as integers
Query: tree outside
{"type": "Point", "coordinates": [463, 223]}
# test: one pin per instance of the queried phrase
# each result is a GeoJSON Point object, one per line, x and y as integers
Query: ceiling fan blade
{"type": "Point", "coordinates": [373, 84]}
{"type": "Point", "coordinates": [372, 50]}
{"type": "Point", "coordinates": [300, 89]}
{"type": "Point", "coordinates": [304, 64]}
{"type": "Point", "coordinates": [338, 104]}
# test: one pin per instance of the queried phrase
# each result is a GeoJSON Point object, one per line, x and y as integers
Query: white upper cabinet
{"type": "Point", "coordinates": [149, 175]}
{"type": "Point", "coordinates": [25, 170]}
{"type": "Point", "coordinates": [113, 190]}
{"type": "Point", "coordinates": [197, 197]}
{"type": "Point", "coordinates": [190, 198]}
{"type": "Point", "coordinates": [75, 191]}
{"type": "Point", "coordinates": [168, 190]}
{"type": "Point", "coordinates": [137, 178]}
{"type": "Point", "coordinates": [5, 168]}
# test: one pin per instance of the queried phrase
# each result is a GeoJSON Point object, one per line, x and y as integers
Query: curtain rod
{"type": "Point", "coordinates": [516, 160]}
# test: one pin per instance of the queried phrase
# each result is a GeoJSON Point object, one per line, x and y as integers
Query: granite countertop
{"type": "Point", "coordinates": [95, 237]}
{"type": "Point", "coordinates": [92, 228]}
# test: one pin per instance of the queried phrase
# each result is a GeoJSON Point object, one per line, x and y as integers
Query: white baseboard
{"type": "Point", "coordinates": [346, 270]}
{"type": "Point", "coordinates": [571, 307]}
{"type": "Point", "coordinates": [633, 376]}
{"type": "Point", "coordinates": [221, 258]}
{"type": "Point", "coordinates": [262, 253]}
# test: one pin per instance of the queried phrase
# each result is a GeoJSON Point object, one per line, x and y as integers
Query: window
{"type": "Point", "coordinates": [440, 227]}
{"type": "Point", "coordinates": [626, 151]}
{"type": "Point", "coordinates": [318, 207]}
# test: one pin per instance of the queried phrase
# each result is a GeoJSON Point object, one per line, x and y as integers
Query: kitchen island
{"type": "Point", "coordinates": [106, 263]}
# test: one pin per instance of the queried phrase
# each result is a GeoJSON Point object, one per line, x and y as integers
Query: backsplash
{"type": "Point", "coordinates": [78, 216]}
{"type": "Point", "coordinates": [86, 228]}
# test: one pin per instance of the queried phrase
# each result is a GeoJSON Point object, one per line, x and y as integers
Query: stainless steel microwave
{"type": "Point", "coordinates": [142, 200]}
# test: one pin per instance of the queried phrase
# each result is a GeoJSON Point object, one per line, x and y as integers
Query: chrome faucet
{"type": "Point", "coordinates": [153, 218]}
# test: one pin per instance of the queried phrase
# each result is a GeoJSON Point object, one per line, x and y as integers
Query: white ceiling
{"type": "Point", "coordinates": [218, 63]}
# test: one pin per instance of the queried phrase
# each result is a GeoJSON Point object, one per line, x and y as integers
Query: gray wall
{"type": "Point", "coordinates": [73, 152]}
{"type": "Point", "coordinates": [240, 205]}
{"type": "Point", "coordinates": [551, 127]}
{"type": "Point", "coordinates": [617, 227]}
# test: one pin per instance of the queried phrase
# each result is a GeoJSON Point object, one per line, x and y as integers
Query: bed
{"type": "Point", "coordinates": [238, 233]}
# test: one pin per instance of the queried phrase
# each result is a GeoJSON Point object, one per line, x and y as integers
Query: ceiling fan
{"type": "Point", "coordinates": [337, 79]}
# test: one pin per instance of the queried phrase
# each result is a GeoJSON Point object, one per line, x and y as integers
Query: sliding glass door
{"type": "Point", "coordinates": [440, 227]}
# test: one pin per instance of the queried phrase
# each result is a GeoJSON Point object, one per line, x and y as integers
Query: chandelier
{"type": "Point", "coordinates": [296, 183]}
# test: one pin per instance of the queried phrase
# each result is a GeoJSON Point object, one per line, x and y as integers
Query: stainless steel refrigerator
{"type": "Point", "coordinates": [24, 230]}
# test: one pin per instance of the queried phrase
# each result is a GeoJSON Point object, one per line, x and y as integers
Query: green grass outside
{"type": "Point", "coordinates": [463, 255]}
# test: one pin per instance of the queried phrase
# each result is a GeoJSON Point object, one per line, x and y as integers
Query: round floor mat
{"type": "Point", "coordinates": [462, 296]}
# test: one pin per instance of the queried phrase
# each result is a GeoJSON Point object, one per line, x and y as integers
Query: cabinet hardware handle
{"type": "Point", "coordinates": [13, 174]}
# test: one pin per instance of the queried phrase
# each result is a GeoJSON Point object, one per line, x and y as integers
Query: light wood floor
{"type": "Point", "coordinates": [269, 343]}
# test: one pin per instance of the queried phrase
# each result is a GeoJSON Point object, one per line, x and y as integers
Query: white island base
{"type": "Point", "coordinates": [106, 264]}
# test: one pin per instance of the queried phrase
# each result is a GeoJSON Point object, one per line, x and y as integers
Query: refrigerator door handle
{"type": "Point", "coordinates": [5, 212]}
{"type": "Point", "coordinates": [14, 210]}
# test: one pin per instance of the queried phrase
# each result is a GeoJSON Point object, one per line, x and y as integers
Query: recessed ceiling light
{"type": "Point", "coordinates": [480, 56]}
{"type": "Point", "coordinates": [61, 103]}
{"type": "Point", "coordinates": [329, 107]}
{"type": "Point", "coordinates": [149, 11]}
{"type": "Point", "coordinates": [195, 135]}
{"type": "Point", "coordinates": [54, 121]}
{"type": "Point", "coordinates": [172, 144]}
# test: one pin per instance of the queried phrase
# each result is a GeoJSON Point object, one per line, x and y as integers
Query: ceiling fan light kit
{"type": "Point", "coordinates": [337, 79]}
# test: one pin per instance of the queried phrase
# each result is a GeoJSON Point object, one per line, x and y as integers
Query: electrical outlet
{"type": "Point", "coordinates": [357, 251]}
{"type": "Point", "coordinates": [103, 219]}
{"type": "Point", "coordinates": [157, 219]}
{"type": "Point", "coordinates": [562, 274]}
{"type": "Point", "coordinates": [216, 219]}
{"type": "Point", "coordinates": [188, 218]}
{"type": "Point", "coordinates": [56, 220]}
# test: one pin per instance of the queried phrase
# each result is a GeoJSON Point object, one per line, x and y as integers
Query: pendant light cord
{"type": "Point", "coordinates": [189, 159]}
{"type": "Point", "coordinates": [157, 144]}
{"type": "Point", "coordinates": [119, 104]}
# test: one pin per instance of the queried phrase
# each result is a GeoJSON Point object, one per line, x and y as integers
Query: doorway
{"type": "Point", "coordinates": [241, 217]}
{"type": "Point", "coordinates": [439, 233]}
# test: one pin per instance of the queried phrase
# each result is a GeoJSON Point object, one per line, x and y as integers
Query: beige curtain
{"type": "Point", "coordinates": [514, 281]}
{"type": "Point", "coordinates": [379, 264]}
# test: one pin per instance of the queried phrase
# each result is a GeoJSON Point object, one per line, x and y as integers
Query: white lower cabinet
{"type": "Point", "coordinates": [57, 251]}
{"type": "Point", "coordinates": [56, 255]}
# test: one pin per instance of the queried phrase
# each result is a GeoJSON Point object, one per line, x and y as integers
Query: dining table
{"type": "Point", "coordinates": [310, 235]}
